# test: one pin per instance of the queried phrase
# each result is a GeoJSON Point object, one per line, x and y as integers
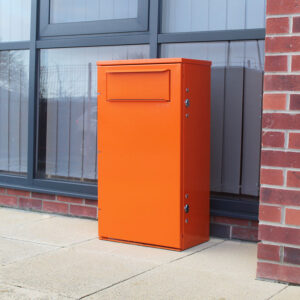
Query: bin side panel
{"type": "Point", "coordinates": [196, 154]}
{"type": "Point", "coordinates": [139, 158]}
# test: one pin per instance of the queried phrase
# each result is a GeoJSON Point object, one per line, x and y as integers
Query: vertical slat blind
{"type": "Point", "coordinates": [68, 88]}
{"type": "Point", "coordinates": [252, 126]}
{"type": "Point", "coordinates": [91, 10]}
{"type": "Point", "coordinates": [216, 141]}
{"type": "Point", "coordinates": [13, 111]}
{"type": "Point", "coordinates": [236, 89]}
{"type": "Point", "coordinates": [14, 20]}
{"type": "Point", "coordinates": [206, 15]}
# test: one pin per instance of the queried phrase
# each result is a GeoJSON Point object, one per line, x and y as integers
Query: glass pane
{"type": "Point", "coordinates": [206, 15]}
{"type": "Point", "coordinates": [215, 52]}
{"type": "Point", "coordinates": [14, 20]}
{"type": "Point", "coordinates": [14, 71]}
{"type": "Point", "coordinates": [247, 54]}
{"type": "Point", "coordinates": [68, 109]}
{"type": "Point", "coordinates": [237, 68]}
{"type": "Point", "coordinates": [66, 11]}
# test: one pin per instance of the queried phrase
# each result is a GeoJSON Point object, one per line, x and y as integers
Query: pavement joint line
{"type": "Point", "coordinates": [55, 248]}
{"type": "Point", "coordinates": [200, 250]}
{"type": "Point", "coordinates": [28, 241]}
{"type": "Point", "coordinates": [146, 271]}
{"type": "Point", "coordinates": [119, 282]}
{"type": "Point", "coordinates": [278, 292]}
{"type": "Point", "coordinates": [79, 242]}
{"type": "Point", "coordinates": [32, 289]}
{"type": "Point", "coordinates": [46, 244]}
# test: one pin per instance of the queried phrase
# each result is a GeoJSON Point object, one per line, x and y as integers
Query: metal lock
{"type": "Point", "coordinates": [187, 102]}
{"type": "Point", "coordinates": [186, 208]}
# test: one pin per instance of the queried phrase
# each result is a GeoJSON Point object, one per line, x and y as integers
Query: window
{"type": "Point", "coordinates": [208, 15]}
{"type": "Point", "coordinates": [92, 16]}
{"type": "Point", "coordinates": [86, 10]}
{"type": "Point", "coordinates": [229, 33]}
{"type": "Point", "coordinates": [68, 109]}
{"type": "Point", "coordinates": [48, 54]}
{"type": "Point", "coordinates": [237, 83]}
{"type": "Point", "coordinates": [14, 71]}
{"type": "Point", "coordinates": [14, 20]}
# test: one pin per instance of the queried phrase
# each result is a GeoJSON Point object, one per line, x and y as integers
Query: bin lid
{"type": "Point", "coordinates": [153, 61]}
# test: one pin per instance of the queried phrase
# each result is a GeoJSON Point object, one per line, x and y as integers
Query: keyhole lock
{"type": "Point", "coordinates": [186, 208]}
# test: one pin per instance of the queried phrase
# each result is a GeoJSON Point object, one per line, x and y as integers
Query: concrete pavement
{"type": "Point", "coordinates": [54, 257]}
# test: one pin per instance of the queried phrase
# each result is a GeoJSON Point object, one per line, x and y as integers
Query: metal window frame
{"type": "Point", "coordinates": [152, 37]}
{"type": "Point", "coordinates": [47, 29]}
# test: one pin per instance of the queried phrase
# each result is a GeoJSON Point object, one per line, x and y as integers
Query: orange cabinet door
{"type": "Point", "coordinates": [139, 153]}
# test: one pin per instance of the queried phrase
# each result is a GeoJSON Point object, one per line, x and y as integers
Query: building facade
{"type": "Point", "coordinates": [48, 103]}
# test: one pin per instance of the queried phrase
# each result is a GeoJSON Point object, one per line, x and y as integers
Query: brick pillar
{"type": "Point", "coordinates": [279, 214]}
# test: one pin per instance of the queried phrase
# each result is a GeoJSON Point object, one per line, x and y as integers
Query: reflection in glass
{"type": "Point", "coordinates": [206, 15]}
{"type": "Point", "coordinates": [14, 20]}
{"type": "Point", "coordinates": [14, 69]}
{"type": "Point", "coordinates": [67, 11]}
{"type": "Point", "coordinates": [68, 109]}
{"type": "Point", "coordinates": [248, 54]}
{"type": "Point", "coordinates": [236, 90]}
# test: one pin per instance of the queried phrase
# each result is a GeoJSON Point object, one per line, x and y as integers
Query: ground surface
{"type": "Point", "coordinates": [53, 257]}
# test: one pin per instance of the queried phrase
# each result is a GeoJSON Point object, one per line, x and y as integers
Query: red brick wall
{"type": "Point", "coordinates": [48, 203]}
{"type": "Point", "coordinates": [279, 213]}
{"type": "Point", "coordinates": [222, 227]}
{"type": "Point", "coordinates": [231, 228]}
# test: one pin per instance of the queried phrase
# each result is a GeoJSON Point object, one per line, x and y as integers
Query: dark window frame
{"type": "Point", "coordinates": [152, 37]}
{"type": "Point", "coordinates": [47, 29]}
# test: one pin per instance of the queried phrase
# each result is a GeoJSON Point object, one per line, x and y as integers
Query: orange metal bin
{"type": "Point", "coordinates": [153, 151]}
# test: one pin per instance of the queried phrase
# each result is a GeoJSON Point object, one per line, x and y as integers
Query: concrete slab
{"type": "Point", "coordinates": [226, 271]}
{"type": "Point", "coordinates": [51, 257]}
{"type": "Point", "coordinates": [56, 231]}
{"type": "Point", "coordinates": [289, 293]}
{"type": "Point", "coordinates": [13, 220]}
{"type": "Point", "coordinates": [18, 293]}
{"type": "Point", "coordinates": [14, 250]}
{"type": "Point", "coordinates": [149, 254]}
{"type": "Point", "coordinates": [72, 272]}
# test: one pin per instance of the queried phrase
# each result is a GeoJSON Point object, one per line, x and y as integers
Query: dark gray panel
{"type": "Point", "coordinates": [90, 137]}
{"type": "Point", "coordinates": [216, 136]}
{"type": "Point", "coordinates": [232, 130]}
{"type": "Point", "coordinates": [211, 36]}
{"type": "Point", "coordinates": [14, 128]}
{"type": "Point", "coordinates": [14, 45]}
{"type": "Point", "coordinates": [77, 137]}
{"type": "Point", "coordinates": [24, 129]}
{"type": "Point", "coordinates": [4, 121]}
{"type": "Point", "coordinates": [234, 207]}
{"type": "Point", "coordinates": [129, 39]}
{"type": "Point", "coordinates": [63, 146]}
{"type": "Point", "coordinates": [32, 93]}
{"type": "Point", "coordinates": [51, 136]}
{"type": "Point", "coordinates": [251, 131]}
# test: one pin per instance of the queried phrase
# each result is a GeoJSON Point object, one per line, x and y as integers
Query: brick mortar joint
{"type": "Point", "coordinates": [279, 263]}
{"type": "Point", "coordinates": [277, 16]}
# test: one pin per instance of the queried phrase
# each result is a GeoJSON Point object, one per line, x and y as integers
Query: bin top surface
{"type": "Point", "coordinates": [153, 61]}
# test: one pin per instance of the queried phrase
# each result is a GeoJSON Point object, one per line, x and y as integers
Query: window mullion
{"type": "Point", "coordinates": [32, 94]}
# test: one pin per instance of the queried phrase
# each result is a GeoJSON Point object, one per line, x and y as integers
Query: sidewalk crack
{"type": "Point", "coordinates": [277, 293]}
